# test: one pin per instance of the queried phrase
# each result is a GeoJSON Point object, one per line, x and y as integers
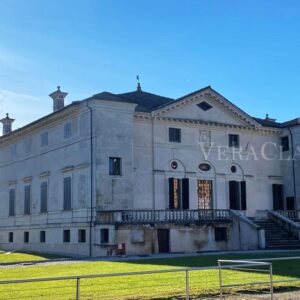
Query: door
{"type": "Point", "coordinates": [163, 237]}
{"type": "Point", "coordinates": [290, 203]}
{"type": "Point", "coordinates": [278, 197]}
{"type": "Point", "coordinates": [205, 199]}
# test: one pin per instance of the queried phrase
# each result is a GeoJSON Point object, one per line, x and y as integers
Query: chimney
{"type": "Point", "coordinates": [58, 99]}
{"type": "Point", "coordinates": [7, 121]}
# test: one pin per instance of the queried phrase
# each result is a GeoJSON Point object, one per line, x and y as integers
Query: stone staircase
{"type": "Point", "coordinates": [277, 237]}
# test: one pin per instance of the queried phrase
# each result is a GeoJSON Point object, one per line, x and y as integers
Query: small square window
{"type": "Point", "coordinates": [44, 139]}
{"type": "Point", "coordinates": [115, 166]}
{"type": "Point", "coordinates": [204, 105]}
{"type": "Point", "coordinates": [42, 236]}
{"type": "Point", "coordinates": [81, 236]}
{"type": "Point", "coordinates": [67, 130]}
{"type": "Point", "coordinates": [220, 234]}
{"type": "Point", "coordinates": [285, 143]}
{"type": "Point", "coordinates": [10, 237]}
{"type": "Point", "coordinates": [26, 237]}
{"type": "Point", "coordinates": [66, 236]}
{"type": "Point", "coordinates": [175, 135]}
{"type": "Point", "coordinates": [233, 140]}
{"type": "Point", "coordinates": [104, 235]}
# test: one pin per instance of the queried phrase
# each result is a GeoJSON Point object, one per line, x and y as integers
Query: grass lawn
{"type": "Point", "coordinates": [155, 286]}
{"type": "Point", "coordinates": [7, 257]}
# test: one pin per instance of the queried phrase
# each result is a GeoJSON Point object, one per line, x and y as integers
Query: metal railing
{"type": "Point", "coordinates": [75, 292]}
{"type": "Point", "coordinates": [163, 216]}
{"type": "Point", "coordinates": [229, 277]}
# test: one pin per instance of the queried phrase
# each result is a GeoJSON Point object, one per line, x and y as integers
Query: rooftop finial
{"type": "Point", "coordinates": [138, 83]}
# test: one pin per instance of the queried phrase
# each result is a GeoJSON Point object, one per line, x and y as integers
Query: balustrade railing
{"type": "Point", "coordinates": [162, 216]}
{"type": "Point", "coordinates": [290, 214]}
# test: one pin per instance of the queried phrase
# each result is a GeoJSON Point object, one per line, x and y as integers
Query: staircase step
{"type": "Point", "coordinates": [277, 237]}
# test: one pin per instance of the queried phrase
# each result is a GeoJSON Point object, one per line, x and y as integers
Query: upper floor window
{"type": "Point", "coordinates": [285, 143]}
{"type": "Point", "coordinates": [27, 146]}
{"type": "Point", "coordinates": [27, 199]}
{"type": "Point", "coordinates": [233, 140]}
{"type": "Point", "coordinates": [12, 200]}
{"type": "Point", "coordinates": [67, 130]}
{"type": "Point", "coordinates": [44, 139]}
{"type": "Point", "coordinates": [67, 193]}
{"type": "Point", "coordinates": [175, 135]}
{"type": "Point", "coordinates": [13, 150]}
{"type": "Point", "coordinates": [115, 166]}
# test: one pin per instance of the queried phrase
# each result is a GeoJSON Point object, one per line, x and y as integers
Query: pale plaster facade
{"type": "Point", "coordinates": [109, 125]}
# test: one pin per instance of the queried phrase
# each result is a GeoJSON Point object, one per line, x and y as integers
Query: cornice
{"type": "Point", "coordinates": [142, 117]}
{"type": "Point", "coordinates": [27, 129]}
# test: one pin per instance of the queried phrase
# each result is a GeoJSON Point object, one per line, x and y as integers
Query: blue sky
{"type": "Point", "coordinates": [247, 50]}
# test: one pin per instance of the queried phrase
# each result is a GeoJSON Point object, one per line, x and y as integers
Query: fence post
{"type": "Point", "coordinates": [271, 281]}
{"type": "Point", "coordinates": [187, 289]}
{"type": "Point", "coordinates": [77, 288]}
{"type": "Point", "coordinates": [220, 280]}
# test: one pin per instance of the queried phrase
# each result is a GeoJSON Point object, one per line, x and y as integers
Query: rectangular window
{"type": "Point", "coordinates": [42, 236]}
{"type": "Point", "coordinates": [220, 234]}
{"type": "Point", "coordinates": [285, 143]}
{"type": "Point", "coordinates": [44, 139]}
{"type": "Point", "coordinates": [175, 135]}
{"type": "Point", "coordinates": [12, 200]}
{"type": "Point", "coordinates": [233, 140]}
{"type": "Point", "coordinates": [27, 200]}
{"type": "Point", "coordinates": [26, 237]}
{"type": "Point", "coordinates": [10, 237]}
{"type": "Point", "coordinates": [44, 196]}
{"type": "Point", "coordinates": [66, 236]}
{"type": "Point", "coordinates": [67, 193]}
{"type": "Point", "coordinates": [67, 130]}
{"type": "Point", "coordinates": [81, 236]}
{"type": "Point", "coordinates": [104, 235]}
{"type": "Point", "coordinates": [115, 166]}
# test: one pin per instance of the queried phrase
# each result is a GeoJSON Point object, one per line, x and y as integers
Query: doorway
{"type": "Point", "coordinates": [163, 237]}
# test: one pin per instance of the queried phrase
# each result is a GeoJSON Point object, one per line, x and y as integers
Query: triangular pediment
{"type": "Point", "coordinates": [206, 105]}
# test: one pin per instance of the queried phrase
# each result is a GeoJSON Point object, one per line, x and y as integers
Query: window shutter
{"type": "Point", "coordinates": [44, 196]}
{"type": "Point", "coordinates": [275, 196]}
{"type": "Point", "coordinates": [280, 197]}
{"type": "Point", "coordinates": [27, 200]}
{"type": "Point", "coordinates": [67, 193]}
{"type": "Point", "coordinates": [12, 194]}
{"type": "Point", "coordinates": [185, 194]}
{"type": "Point", "coordinates": [243, 195]}
{"type": "Point", "coordinates": [171, 193]}
{"type": "Point", "coordinates": [233, 195]}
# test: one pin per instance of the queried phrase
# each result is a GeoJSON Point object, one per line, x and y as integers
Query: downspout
{"type": "Point", "coordinates": [153, 163]}
{"type": "Point", "coordinates": [293, 164]}
{"type": "Point", "coordinates": [91, 175]}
